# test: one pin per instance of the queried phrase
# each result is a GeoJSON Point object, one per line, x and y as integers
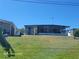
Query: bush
{"type": "Point", "coordinates": [76, 33]}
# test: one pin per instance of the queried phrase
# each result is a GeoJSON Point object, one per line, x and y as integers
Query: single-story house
{"type": "Point", "coordinates": [45, 29]}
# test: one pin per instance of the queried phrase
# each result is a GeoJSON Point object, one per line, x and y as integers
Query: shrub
{"type": "Point", "coordinates": [76, 33]}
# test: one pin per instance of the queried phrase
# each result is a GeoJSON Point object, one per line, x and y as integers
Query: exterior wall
{"type": "Point", "coordinates": [50, 29]}
{"type": "Point", "coordinates": [31, 30]}
{"type": "Point", "coordinates": [13, 30]}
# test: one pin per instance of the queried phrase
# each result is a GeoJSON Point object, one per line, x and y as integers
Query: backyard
{"type": "Point", "coordinates": [43, 47]}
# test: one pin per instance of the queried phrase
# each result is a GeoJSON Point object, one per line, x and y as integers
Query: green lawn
{"type": "Point", "coordinates": [43, 47]}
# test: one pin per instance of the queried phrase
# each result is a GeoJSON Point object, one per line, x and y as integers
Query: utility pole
{"type": "Point", "coordinates": [52, 20]}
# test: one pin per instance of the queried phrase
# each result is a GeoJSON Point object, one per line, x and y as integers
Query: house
{"type": "Point", "coordinates": [45, 29]}
{"type": "Point", "coordinates": [8, 27]}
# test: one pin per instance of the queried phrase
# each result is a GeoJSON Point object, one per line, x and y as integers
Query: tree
{"type": "Point", "coordinates": [76, 33]}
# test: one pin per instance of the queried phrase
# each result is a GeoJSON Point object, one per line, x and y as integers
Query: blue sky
{"type": "Point", "coordinates": [23, 13]}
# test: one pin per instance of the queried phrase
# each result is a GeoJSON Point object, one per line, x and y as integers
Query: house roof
{"type": "Point", "coordinates": [8, 22]}
{"type": "Point", "coordinates": [5, 21]}
{"type": "Point", "coordinates": [49, 25]}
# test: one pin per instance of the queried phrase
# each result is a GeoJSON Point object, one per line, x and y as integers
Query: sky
{"type": "Point", "coordinates": [24, 13]}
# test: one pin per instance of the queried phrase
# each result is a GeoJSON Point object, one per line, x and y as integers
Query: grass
{"type": "Point", "coordinates": [43, 47]}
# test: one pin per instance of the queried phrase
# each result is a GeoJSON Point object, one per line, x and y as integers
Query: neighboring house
{"type": "Point", "coordinates": [45, 30]}
{"type": "Point", "coordinates": [8, 27]}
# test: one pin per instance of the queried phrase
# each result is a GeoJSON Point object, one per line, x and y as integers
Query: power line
{"type": "Point", "coordinates": [50, 2]}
